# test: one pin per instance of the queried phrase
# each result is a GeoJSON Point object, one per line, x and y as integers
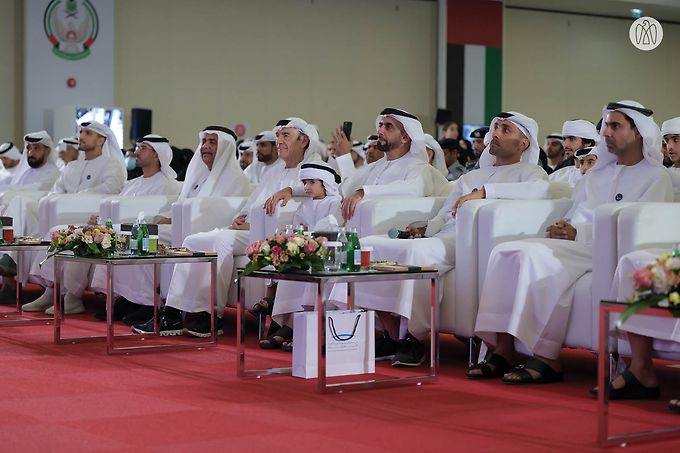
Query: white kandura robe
{"type": "Point", "coordinates": [6, 174]}
{"type": "Point", "coordinates": [254, 171]}
{"type": "Point", "coordinates": [293, 296]}
{"type": "Point", "coordinates": [570, 175]}
{"type": "Point", "coordinates": [190, 284]}
{"type": "Point", "coordinates": [664, 331]}
{"type": "Point", "coordinates": [674, 172]}
{"type": "Point", "coordinates": [129, 280]}
{"type": "Point", "coordinates": [529, 286]}
{"type": "Point", "coordinates": [410, 298]}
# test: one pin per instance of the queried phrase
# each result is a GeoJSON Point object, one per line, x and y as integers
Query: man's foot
{"type": "Point", "coordinates": [276, 340]}
{"type": "Point", "coordinates": [674, 405]}
{"type": "Point", "coordinates": [200, 325]}
{"type": "Point", "coordinates": [121, 308]}
{"type": "Point", "coordinates": [263, 307]}
{"type": "Point", "coordinates": [42, 303]}
{"type": "Point", "coordinates": [534, 371]}
{"type": "Point", "coordinates": [170, 323]}
{"type": "Point", "coordinates": [385, 346]}
{"type": "Point", "coordinates": [8, 268]}
{"type": "Point", "coordinates": [628, 387]}
{"type": "Point", "coordinates": [141, 314]}
{"type": "Point", "coordinates": [72, 305]}
{"type": "Point", "coordinates": [494, 366]}
{"type": "Point", "coordinates": [411, 352]}
{"type": "Point", "coordinates": [8, 294]}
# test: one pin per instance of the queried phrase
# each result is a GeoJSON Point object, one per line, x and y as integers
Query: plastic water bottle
{"type": "Point", "coordinates": [342, 250]}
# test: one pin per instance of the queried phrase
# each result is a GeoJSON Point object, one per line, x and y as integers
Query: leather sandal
{"type": "Point", "coordinates": [501, 366]}
{"type": "Point", "coordinates": [632, 390]}
{"type": "Point", "coordinates": [276, 340]}
{"type": "Point", "coordinates": [548, 375]}
{"type": "Point", "coordinates": [674, 405]}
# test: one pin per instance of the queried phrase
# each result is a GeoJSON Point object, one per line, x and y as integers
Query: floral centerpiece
{"type": "Point", "coordinates": [88, 240]}
{"type": "Point", "coordinates": [286, 252]}
{"type": "Point", "coordinates": [656, 285]}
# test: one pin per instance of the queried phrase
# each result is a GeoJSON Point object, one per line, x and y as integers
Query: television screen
{"type": "Point", "coordinates": [113, 118]}
{"type": "Point", "coordinates": [469, 128]}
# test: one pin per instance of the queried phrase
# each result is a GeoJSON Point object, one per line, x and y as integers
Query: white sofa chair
{"type": "Point", "coordinates": [193, 215]}
{"type": "Point", "coordinates": [125, 209]}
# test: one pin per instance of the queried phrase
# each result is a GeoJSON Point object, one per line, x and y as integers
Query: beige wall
{"type": "Point", "coordinates": [216, 61]}
{"type": "Point", "coordinates": [11, 71]}
{"type": "Point", "coordinates": [559, 66]}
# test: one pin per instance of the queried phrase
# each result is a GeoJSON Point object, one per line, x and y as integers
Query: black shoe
{"type": "Point", "coordinates": [143, 313]}
{"type": "Point", "coordinates": [385, 346]}
{"type": "Point", "coordinates": [411, 353]}
{"type": "Point", "coordinates": [200, 325]}
{"type": "Point", "coordinates": [121, 308]}
{"type": "Point", "coordinates": [170, 323]}
{"type": "Point", "coordinates": [8, 295]}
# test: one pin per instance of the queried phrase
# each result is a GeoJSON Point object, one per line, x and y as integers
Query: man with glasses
{"type": "Point", "coordinates": [529, 286]}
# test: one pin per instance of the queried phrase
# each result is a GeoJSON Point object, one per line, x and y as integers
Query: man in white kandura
{"type": "Point", "coordinates": [190, 285]}
{"type": "Point", "coordinates": [646, 333]}
{"type": "Point", "coordinates": [102, 171]}
{"type": "Point", "coordinates": [265, 156]}
{"type": "Point", "coordinates": [508, 169]}
{"type": "Point", "coordinates": [529, 286]}
{"type": "Point", "coordinates": [577, 134]}
{"type": "Point", "coordinates": [153, 154]}
{"type": "Point", "coordinates": [10, 157]}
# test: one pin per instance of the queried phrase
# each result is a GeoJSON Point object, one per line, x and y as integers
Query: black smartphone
{"type": "Point", "coordinates": [347, 129]}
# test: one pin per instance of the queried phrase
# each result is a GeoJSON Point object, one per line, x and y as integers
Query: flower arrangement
{"type": "Point", "coordinates": [88, 240]}
{"type": "Point", "coordinates": [286, 252]}
{"type": "Point", "coordinates": [656, 285]}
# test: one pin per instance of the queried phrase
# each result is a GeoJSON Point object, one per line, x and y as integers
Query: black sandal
{"type": "Point", "coordinates": [633, 390]}
{"type": "Point", "coordinates": [263, 307]}
{"type": "Point", "coordinates": [501, 365]}
{"type": "Point", "coordinates": [548, 375]}
{"type": "Point", "coordinates": [674, 405]}
{"type": "Point", "coordinates": [287, 346]}
{"type": "Point", "coordinates": [276, 340]}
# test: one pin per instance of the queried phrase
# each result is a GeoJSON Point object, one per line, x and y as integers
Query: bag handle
{"type": "Point", "coordinates": [336, 336]}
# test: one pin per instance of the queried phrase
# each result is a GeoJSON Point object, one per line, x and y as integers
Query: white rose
{"type": "Point", "coordinates": [292, 248]}
{"type": "Point", "coordinates": [87, 239]}
{"type": "Point", "coordinates": [300, 241]}
{"type": "Point", "coordinates": [264, 248]}
{"type": "Point", "coordinates": [106, 242]}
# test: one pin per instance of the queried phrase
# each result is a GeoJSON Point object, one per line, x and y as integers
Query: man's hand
{"type": "Point", "coordinates": [561, 230]}
{"type": "Point", "coordinates": [164, 221]}
{"type": "Point", "coordinates": [415, 232]}
{"type": "Point", "coordinates": [350, 203]}
{"type": "Point", "coordinates": [283, 195]}
{"type": "Point", "coordinates": [474, 195]}
{"type": "Point", "coordinates": [240, 223]}
{"type": "Point", "coordinates": [343, 144]}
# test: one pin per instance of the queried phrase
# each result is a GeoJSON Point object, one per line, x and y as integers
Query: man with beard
{"type": "Point", "coordinates": [577, 134]}
{"type": "Point", "coordinates": [371, 149]}
{"type": "Point", "coordinates": [37, 169]}
{"type": "Point", "coordinates": [266, 154]}
{"type": "Point", "coordinates": [245, 154]}
{"type": "Point", "coordinates": [554, 150]}
{"type": "Point", "coordinates": [507, 170]}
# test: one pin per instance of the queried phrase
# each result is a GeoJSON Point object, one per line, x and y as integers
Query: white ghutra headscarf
{"type": "Point", "coordinates": [412, 127]}
{"type": "Point", "coordinates": [40, 137]}
{"type": "Point", "coordinates": [527, 126]}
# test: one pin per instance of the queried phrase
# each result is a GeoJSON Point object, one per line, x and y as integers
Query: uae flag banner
{"type": "Point", "coordinates": [474, 59]}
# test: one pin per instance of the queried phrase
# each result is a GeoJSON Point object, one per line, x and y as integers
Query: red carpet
{"type": "Point", "coordinates": [77, 398]}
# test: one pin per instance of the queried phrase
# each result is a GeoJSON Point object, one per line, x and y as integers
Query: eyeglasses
{"type": "Point", "coordinates": [618, 105]}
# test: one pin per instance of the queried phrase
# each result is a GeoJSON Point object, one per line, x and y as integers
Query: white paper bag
{"type": "Point", "coordinates": [350, 343]}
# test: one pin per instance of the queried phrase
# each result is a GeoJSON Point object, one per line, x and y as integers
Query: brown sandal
{"type": "Point", "coordinates": [263, 307]}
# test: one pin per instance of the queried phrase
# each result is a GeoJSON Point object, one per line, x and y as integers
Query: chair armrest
{"type": "Point", "coordinates": [377, 215]}
{"type": "Point", "coordinates": [193, 215]}
{"type": "Point", "coordinates": [647, 225]}
{"type": "Point", "coordinates": [8, 195]}
{"type": "Point", "coordinates": [64, 209]}
{"type": "Point", "coordinates": [263, 225]}
{"type": "Point", "coordinates": [126, 209]}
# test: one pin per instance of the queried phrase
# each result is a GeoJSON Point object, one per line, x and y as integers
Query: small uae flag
{"type": "Point", "coordinates": [474, 59]}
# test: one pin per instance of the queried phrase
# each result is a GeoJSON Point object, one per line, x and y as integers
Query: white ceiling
{"type": "Point", "coordinates": [662, 10]}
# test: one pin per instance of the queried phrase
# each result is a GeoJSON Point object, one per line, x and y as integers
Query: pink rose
{"type": "Point", "coordinates": [642, 278]}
